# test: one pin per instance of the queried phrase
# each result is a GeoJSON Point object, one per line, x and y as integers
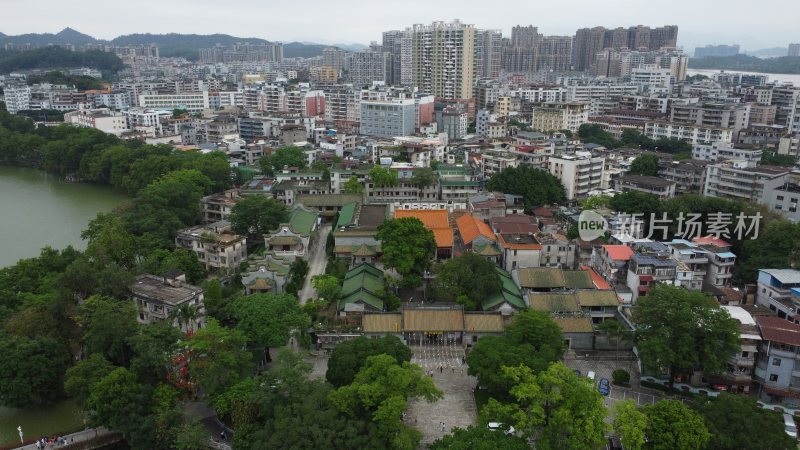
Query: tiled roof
{"type": "Point", "coordinates": [541, 277]}
{"type": "Point", "coordinates": [574, 324]}
{"type": "Point", "coordinates": [364, 297]}
{"type": "Point", "coordinates": [578, 279]}
{"type": "Point", "coordinates": [346, 215]}
{"type": "Point", "coordinates": [785, 276]}
{"type": "Point", "coordinates": [302, 220]}
{"type": "Point", "coordinates": [775, 329]}
{"type": "Point", "coordinates": [599, 282]}
{"type": "Point", "coordinates": [486, 250]}
{"type": "Point", "coordinates": [487, 323]}
{"type": "Point", "coordinates": [588, 298]}
{"type": "Point", "coordinates": [323, 200]}
{"type": "Point", "coordinates": [554, 302]}
{"type": "Point", "coordinates": [284, 240]}
{"type": "Point", "coordinates": [433, 320]}
{"type": "Point", "coordinates": [382, 323]}
{"type": "Point", "coordinates": [619, 252]}
{"type": "Point", "coordinates": [470, 227]}
{"type": "Point", "coordinates": [435, 220]}
{"type": "Point", "coordinates": [711, 240]}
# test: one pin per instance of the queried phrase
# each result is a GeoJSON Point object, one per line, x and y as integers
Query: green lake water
{"type": "Point", "coordinates": [37, 209]}
{"type": "Point", "coordinates": [47, 420]}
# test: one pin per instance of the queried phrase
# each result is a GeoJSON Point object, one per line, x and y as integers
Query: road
{"type": "Point", "coordinates": [80, 436]}
{"type": "Point", "coordinates": [317, 260]}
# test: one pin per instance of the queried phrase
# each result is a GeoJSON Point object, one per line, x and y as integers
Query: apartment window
{"type": "Point", "coordinates": [773, 377]}
{"type": "Point", "coordinates": [776, 361]}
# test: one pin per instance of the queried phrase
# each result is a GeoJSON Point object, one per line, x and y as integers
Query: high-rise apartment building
{"type": "Point", "coordinates": [333, 57]}
{"type": "Point", "coordinates": [368, 66]}
{"type": "Point", "coordinates": [443, 59]}
{"type": "Point", "coordinates": [554, 54]}
{"type": "Point", "coordinates": [794, 50]}
{"type": "Point", "coordinates": [588, 42]}
{"type": "Point", "coordinates": [398, 44]}
{"type": "Point", "coordinates": [519, 52]}
{"type": "Point", "coordinates": [488, 53]}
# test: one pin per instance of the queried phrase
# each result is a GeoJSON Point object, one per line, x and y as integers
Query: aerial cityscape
{"type": "Point", "coordinates": [504, 231]}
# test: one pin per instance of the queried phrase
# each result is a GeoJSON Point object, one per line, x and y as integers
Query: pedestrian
{"type": "Point", "coordinates": [453, 369]}
{"type": "Point", "coordinates": [38, 445]}
{"type": "Point", "coordinates": [443, 427]}
{"type": "Point", "coordinates": [222, 435]}
{"type": "Point", "coordinates": [440, 369]}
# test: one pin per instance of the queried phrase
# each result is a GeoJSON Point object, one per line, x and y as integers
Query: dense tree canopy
{"type": "Point", "coordinates": [109, 323]}
{"type": "Point", "coordinates": [53, 57]}
{"type": "Point", "coordinates": [283, 157]}
{"type": "Point", "coordinates": [218, 358]}
{"type": "Point", "coordinates": [408, 246]}
{"type": "Point", "coordinates": [31, 371]}
{"type": "Point", "coordinates": [671, 425]}
{"type": "Point", "coordinates": [470, 278]}
{"type": "Point", "coordinates": [737, 422]}
{"type": "Point", "coordinates": [646, 165]}
{"type": "Point", "coordinates": [479, 438]}
{"type": "Point", "coordinates": [679, 331]}
{"type": "Point", "coordinates": [536, 186]}
{"type": "Point", "coordinates": [350, 356]}
{"type": "Point", "coordinates": [558, 408]}
{"type": "Point", "coordinates": [630, 424]}
{"type": "Point", "coordinates": [533, 339]}
{"type": "Point", "coordinates": [257, 214]}
{"type": "Point", "coordinates": [382, 177]}
{"type": "Point", "coordinates": [774, 159]}
{"type": "Point", "coordinates": [380, 393]}
{"type": "Point", "coordinates": [268, 319]}
{"type": "Point", "coordinates": [83, 376]}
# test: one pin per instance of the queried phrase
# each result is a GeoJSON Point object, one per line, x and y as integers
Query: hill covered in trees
{"type": "Point", "coordinates": [58, 58]}
{"type": "Point", "coordinates": [785, 64]}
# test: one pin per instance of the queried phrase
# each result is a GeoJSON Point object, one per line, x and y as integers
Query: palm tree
{"type": "Point", "coordinates": [185, 314]}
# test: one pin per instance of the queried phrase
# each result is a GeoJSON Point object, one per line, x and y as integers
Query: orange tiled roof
{"type": "Point", "coordinates": [598, 281]}
{"type": "Point", "coordinates": [711, 240]}
{"type": "Point", "coordinates": [471, 228]}
{"type": "Point", "coordinates": [435, 220]}
{"type": "Point", "coordinates": [619, 252]}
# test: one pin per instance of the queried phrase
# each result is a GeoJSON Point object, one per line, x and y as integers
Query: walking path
{"type": "Point", "coordinates": [74, 438]}
{"type": "Point", "coordinates": [317, 260]}
{"type": "Point", "coordinates": [457, 408]}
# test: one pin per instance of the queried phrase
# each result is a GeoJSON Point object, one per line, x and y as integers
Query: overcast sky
{"type": "Point", "coordinates": [765, 23]}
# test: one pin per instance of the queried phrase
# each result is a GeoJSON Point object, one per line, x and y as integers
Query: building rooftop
{"type": "Point", "coordinates": [644, 180]}
{"type": "Point", "coordinates": [785, 276]}
{"type": "Point", "coordinates": [775, 329]}
{"type": "Point", "coordinates": [619, 252]}
{"type": "Point", "coordinates": [161, 289]}
{"type": "Point", "coordinates": [470, 228]}
{"type": "Point", "coordinates": [436, 220]}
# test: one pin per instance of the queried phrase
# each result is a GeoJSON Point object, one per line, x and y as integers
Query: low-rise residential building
{"type": "Point", "coordinates": [740, 180]}
{"type": "Point", "coordinates": [689, 175]}
{"type": "Point", "coordinates": [739, 369]}
{"type": "Point", "coordinates": [647, 269]}
{"type": "Point", "coordinates": [660, 187]}
{"type": "Point", "coordinates": [218, 206]}
{"type": "Point", "coordinates": [693, 134]}
{"type": "Point", "coordinates": [99, 119]}
{"type": "Point", "coordinates": [779, 290]}
{"type": "Point", "coordinates": [519, 250]}
{"type": "Point", "coordinates": [579, 173]}
{"type": "Point", "coordinates": [216, 245]}
{"type": "Point", "coordinates": [720, 260]}
{"type": "Point", "coordinates": [158, 298]}
{"type": "Point", "coordinates": [695, 258]}
{"type": "Point", "coordinates": [777, 364]}
{"type": "Point", "coordinates": [560, 116]}
{"type": "Point", "coordinates": [723, 151]}
{"type": "Point", "coordinates": [611, 262]}
{"type": "Point", "coordinates": [785, 200]}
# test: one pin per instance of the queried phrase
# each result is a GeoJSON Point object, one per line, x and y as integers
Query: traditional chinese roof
{"type": "Point", "coordinates": [554, 302]}
{"type": "Point", "coordinates": [435, 220]}
{"type": "Point", "coordinates": [432, 320]}
{"type": "Point", "coordinates": [470, 228]}
{"type": "Point", "coordinates": [510, 294]}
{"type": "Point", "coordinates": [486, 323]}
{"type": "Point", "coordinates": [284, 240]}
{"type": "Point", "coordinates": [302, 220]}
{"type": "Point", "coordinates": [327, 200]}
{"type": "Point", "coordinates": [541, 277]}
{"type": "Point", "coordinates": [574, 324]}
{"type": "Point", "coordinates": [486, 249]}
{"type": "Point", "coordinates": [589, 298]}
{"type": "Point", "coordinates": [578, 279]}
{"type": "Point", "coordinates": [362, 285]}
{"type": "Point", "coordinates": [346, 215]}
{"type": "Point", "coordinates": [382, 323]}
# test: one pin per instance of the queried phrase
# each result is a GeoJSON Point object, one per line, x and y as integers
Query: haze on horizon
{"type": "Point", "coordinates": [362, 21]}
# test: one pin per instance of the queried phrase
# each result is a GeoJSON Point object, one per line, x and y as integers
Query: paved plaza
{"type": "Point", "coordinates": [444, 360]}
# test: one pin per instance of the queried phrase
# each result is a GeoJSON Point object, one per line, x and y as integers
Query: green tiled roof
{"type": "Point", "coordinates": [346, 215]}
{"type": "Point", "coordinates": [597, 298]}
{"type": "Point", "coordinates": [363, 297]}
{"type": "Point", "coordinates": [565, 302]}
{"type": "Point", "coordinates": [302, 221]}
{"type": "Point", "coordinates": [578, 279]}
{"type": "Point", "coordinates": [361, 285]}
{"type": "Point", "coordinates": [509, 294]}
{"type": "Point", "coordinates": [284, 240]}
{"type": "Point", "coordinates": [361, 281]}
{"type": "Point", "coordinates": [486, 249]}
{"type": "Point", "coordinates": [541, 278]}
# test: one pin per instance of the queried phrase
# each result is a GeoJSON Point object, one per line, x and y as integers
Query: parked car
{"type": "Point", "coordinates": [603, 386]}
{"type": "Point", "coordinates": [590, 375]}
{"type": "Point", "coordinates": [789, 425]}
{"type": "Point", "coordinates": [494, 426]}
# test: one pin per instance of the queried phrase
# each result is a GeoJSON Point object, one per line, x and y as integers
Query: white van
{"type": "Point", "coordinates": [590, 375]}
{"type": "Point", "coordinates": [789, 426]}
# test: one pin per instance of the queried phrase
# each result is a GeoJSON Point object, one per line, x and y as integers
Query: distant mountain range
{"type": "Point", "coordinates": [172, 44]}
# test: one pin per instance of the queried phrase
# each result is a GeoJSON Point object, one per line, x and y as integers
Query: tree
{"type": "Point", "coordinates": [630, 424]}
{"type": "Point", "coordinates": [184, 316]}
{"type": "Point", "coordinates": [108, 324]}
{"type": "Point", "coordinates": [162, 261]}
{"type": "Point", "coordinates": [532, 340]}
{"type": "Point", "coordinates": [536, 186]}
{"type": "Point", "coordinates": [380, 392]}
{"type": "Point", "coordinates": [681, 331]}
{"type": "Point", "coordinates": [297, 275]}
{"type": "Point", "coordinates": [560, 408]}
{"type": "Point", "coordinates": [595, 134]}
{"type": "Point", "coordinates": [774, 159]}
{"type": "Point", "coordinates": [328, 287]}
{"type": "Point", "coordinates": [353, 186]}
{"type": "Point", "coordinates": [115, 398]}
{"type": "Point", "coordinates": [635, 202]}
{"type": "Point", "coordinates": [737, 422]}
{"type": "Point", "coordinates": [268, 320]}
{"type": "Point", "coordinates": [82, 376]}
{"type": "Point", "coordinates": [382, 177]}
{"type": "Point", "coordinates": [218, 357]}
{"type": "Point", "coordinates": [778, 245]}
{"type": "Point", "coordinates": [469, 275]}
{"type": "Point", "coordinates": [478, 438]}
{"type": "Point", "coordinates": [423, 177]}
{"type": "Point", "coordinates": [408, 246]}
{"type": "Point", "coordinates": [349, 357]}
{"type": "Point", "coordinates": [646, 165]}
{"type": "Point", "coordinates": [283, 157]}
{"type": "Point", "coordinates": [255, 215]}
{"type": "Point", "coordinates": [178, 192]}
{"type": "Point", "coordinates": [596, 202]}
{"type": "Point", "coordinates": [110, 242]}
{"type": "Point", "coordinates": [621, 376]}
{"type": "Point", "coordinates": [153, 347]}
{"type": "Point", "coordinates": [192, 436]}
{"type": "Point", "coordinates": [31, 371]}
{"type": "Point", "coordinates": [671, 425]}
